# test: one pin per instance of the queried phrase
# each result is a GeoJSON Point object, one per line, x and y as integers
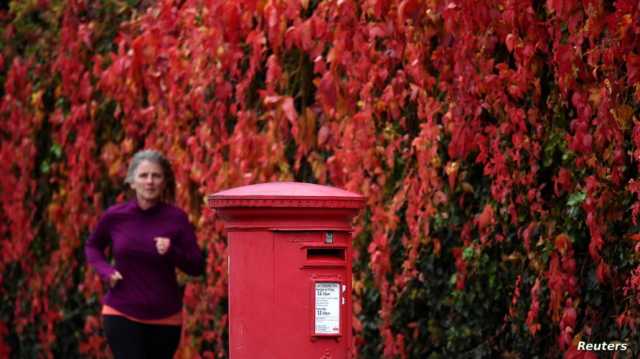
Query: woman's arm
{"type": "Point", "coordinates": [94, 250]}
{"type": "Point", "coordinates": [185, 253]}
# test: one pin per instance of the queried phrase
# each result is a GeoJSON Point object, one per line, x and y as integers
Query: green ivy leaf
{"type": "Point", "coordinates": [576, 199]}
{"type": "Point", "coordinates": [467, 253]}
{"type": "Point", "coordinates": [56, 151]}
{"type": "Point", "coordinates": [45, 167]}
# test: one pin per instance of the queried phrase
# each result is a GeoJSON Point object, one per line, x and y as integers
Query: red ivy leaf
{"type": "Point", "coordinates": [485, 218]}
{"type": "Point", "coordinates": [410, 9]}
{"type": "Point", "coordinates": [327, 94]}
{"type": "Point", "coordinates": [274, 73]}
{"type": "Point", "coordinates": [290, 110]}
{"type": "Point", "coordinates": [633, 69]}
{"type": "Point", "coordinates": [602, 272]}
{"type": "Point", "coordinates": [561, 7]}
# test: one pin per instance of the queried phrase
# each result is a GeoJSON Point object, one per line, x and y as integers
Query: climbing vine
{"type": "Point", "coordinates": [497, 144]}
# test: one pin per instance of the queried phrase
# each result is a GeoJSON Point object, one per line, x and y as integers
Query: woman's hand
{"type": "Point", "coordinates": [115, 277]}
{"type": "Point", "coordinates": [162, 244]}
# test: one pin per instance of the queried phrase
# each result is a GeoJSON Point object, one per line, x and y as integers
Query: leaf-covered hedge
{"type": "Point", "coordinates": [497, 143]}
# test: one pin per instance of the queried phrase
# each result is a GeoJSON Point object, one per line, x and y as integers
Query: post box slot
{"type": "Point", "coordinates": [325, 254]}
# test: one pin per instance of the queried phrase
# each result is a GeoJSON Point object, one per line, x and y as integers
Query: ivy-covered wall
{"type": "Point", "coordinates": [497, 143]}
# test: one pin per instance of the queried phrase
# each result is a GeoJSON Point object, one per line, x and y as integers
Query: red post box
{"type": "Point", "coordinates": [289, 247]}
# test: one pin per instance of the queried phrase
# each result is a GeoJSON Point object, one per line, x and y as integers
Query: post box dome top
{"type": "Point", "coordinates": [286, 194]}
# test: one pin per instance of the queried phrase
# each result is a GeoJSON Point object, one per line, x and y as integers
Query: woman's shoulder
{"type": "Point", "coordinates": [174, 210]}
{"type": "Point", "coordinates": [113, 214]}
{"type": "Point", "coordinates": [118, 209]}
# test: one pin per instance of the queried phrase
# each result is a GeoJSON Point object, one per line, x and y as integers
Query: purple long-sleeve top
{"type": "Point", "coordinates": [149, 288]}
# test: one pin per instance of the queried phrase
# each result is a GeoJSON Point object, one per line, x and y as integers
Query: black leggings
{"type": "Point", "coordinates": [129, 339]}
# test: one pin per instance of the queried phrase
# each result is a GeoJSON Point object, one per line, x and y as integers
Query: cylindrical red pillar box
{"type": "Point", "coordinates": [289, 247]}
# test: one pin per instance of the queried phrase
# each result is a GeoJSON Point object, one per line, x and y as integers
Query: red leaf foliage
{"type": "Point", "coordinates": [506, 129]}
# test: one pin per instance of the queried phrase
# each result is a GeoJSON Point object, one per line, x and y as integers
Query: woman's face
{"type": "Point", "coordinates": [148, 182]}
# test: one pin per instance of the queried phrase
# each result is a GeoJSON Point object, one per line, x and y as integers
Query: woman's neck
{"type": "Point", "coordinates": [146, 204]}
